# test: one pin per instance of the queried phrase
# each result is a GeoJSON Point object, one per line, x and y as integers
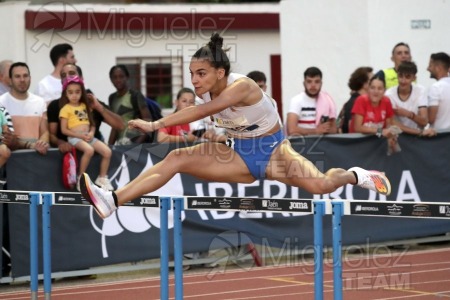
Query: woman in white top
{"type": "Point", "coordinates": [256, 147]}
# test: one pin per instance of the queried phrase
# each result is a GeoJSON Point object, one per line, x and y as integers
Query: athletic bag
{"type": "Point", "coordinates": [69, 169]}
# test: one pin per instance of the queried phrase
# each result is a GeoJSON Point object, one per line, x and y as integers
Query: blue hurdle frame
{"type": "Point", "coordinates": [321, 208]}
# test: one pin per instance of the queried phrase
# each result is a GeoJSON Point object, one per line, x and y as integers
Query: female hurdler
{"type": "Point", "coordinates": [256, 147]}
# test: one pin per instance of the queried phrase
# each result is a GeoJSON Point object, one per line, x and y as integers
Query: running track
{"type": "Point", "coordinates": [400, 275]}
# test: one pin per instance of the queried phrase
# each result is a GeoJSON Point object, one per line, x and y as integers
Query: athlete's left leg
{"type": "Point", "coordinates": [289, 167]}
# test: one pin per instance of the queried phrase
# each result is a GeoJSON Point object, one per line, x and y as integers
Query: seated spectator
{"type": "Point", "coordinates": [28, 113]}
{"type": "Point", "coordinates": [78, 126]}
{"type": "Point", "coordinates": [186, 132]}
{"type": "Point", "coordinates": [5, 153]}
{"type": "Point", "coordinates": [8, 119]}
{"type": "Point", "coordinates": [100, 113]}
{"type": "Point", "coordinates": [312, 111]}
{"type": "Point", "coordinates": [409, 102]}
{"type": "Point", "coordinates": [179, 133]}
{"type": "Point", "coordinates": [439, 92]}
{"type": "Point", "coordinates": [373, 114]}
{"type": "Point", "coordinates": [358, 84]}
{"type": "Point", "coordinates": [129, 104]}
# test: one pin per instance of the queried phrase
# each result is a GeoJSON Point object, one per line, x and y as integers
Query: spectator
{"type": "Point", "coordinates": [129, 104]}
{"type": "Point", "coordinates": [5, 87]}
{"type": "Point", "coordinates": [400, 53]}
{"type": "Point", "coordinates": [5, 153]}
{"type": "Point", "coordinates": [50, 87]}
{"type": "Point", "coordinates": [373, 114]}
{"type": "Point", "coordinates": [260, 79]}
{"type": "Point", "coordinates": [8, 118]}
{"type": "Point", "coordinates": [409, 102]}
{"type": "Point", "coordinates": [358, 84]}
{"type": "Point", "coordinates": [5, 82]}
{"type": "Point", "coordinates": [187, 132]}
{"type": "Point", "coordinates": [312, 111]}
{"type": "Point", "coordinates": [100, 113]}
{"type": "Point", "coordinates": [78, 126]}
{"type": "Point", "coordinates": [28, 112]}
{"type": "Point", "coordinates": [439, 92]}
{"type": "Point", "coordinates": [179, 133]}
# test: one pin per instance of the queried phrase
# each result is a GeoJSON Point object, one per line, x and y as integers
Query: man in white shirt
{"type": "Point", "coordinates": [28, 113]}
{"type": "Point", "coordinates": [50, 87]}
{"type": "Point", "coordinates": [312, 111]}
{"type": "Point", "coordinates": [439, 92]}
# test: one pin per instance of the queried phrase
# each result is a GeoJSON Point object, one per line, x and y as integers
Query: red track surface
{"type": "Point", "coordinates": [408, 275]}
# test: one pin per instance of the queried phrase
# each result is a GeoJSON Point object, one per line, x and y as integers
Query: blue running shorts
{"type": "Point", "coordinates": [256, 152]}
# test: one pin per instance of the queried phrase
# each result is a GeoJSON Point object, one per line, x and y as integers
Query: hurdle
{"type": "Point", "coordinates": [242, 204]}
{"type": "Point", "coordinates": [320, 208]}
{"type": "Point", "coordinates": [337, 208]}
{"type": "Point", "coordinates": [47, 200]}
{"type": "Point", "coordinates": [394, 209]}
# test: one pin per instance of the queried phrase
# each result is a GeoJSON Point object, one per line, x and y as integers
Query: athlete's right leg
{"type": "Point", "coordinates": [209, 161]}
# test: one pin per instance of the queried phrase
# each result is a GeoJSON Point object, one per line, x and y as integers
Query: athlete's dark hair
{"type": "Point", "coordinates": [214, 53]}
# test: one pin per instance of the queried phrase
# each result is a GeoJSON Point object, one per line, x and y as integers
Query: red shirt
{"type": "Point", "coordinates": [178, 130]}
{"type": "Point", "coordinates": [373, 116]}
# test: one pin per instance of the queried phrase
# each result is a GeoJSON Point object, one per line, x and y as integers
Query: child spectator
{"type": "Point", "coordinates": [179, 133]}
{"type": "Point", "coordinates": [77, 125]}
{"type": "Point", "coordinates": [409, 102]}
{"type": "Point", "coordinates": [373, 114]}
{"type": "Point", "coordinates": [187, 132]}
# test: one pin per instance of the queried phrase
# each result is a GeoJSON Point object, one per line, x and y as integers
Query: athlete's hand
{"type": "Point", "coordinates": [142, 125]}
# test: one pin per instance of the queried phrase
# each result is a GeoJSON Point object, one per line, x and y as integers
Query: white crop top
{"type": "Point", "coordinates": [246, 121]}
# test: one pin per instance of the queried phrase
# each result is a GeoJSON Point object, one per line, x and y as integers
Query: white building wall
{"type": "Point", "coordinates": [336, 36]}
{"type": "Point", "coordinates": [339, 36]}
{"type": "Point", "coordinates": [97, 49]}
{"type": "Point", "coordinates": [12, 30]}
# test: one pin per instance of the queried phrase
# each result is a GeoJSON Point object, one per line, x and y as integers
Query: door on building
{"type": "Point", "coordinates": [275, 74]}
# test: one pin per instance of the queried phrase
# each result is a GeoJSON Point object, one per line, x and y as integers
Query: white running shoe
{"type": "Point", "coordinates": [372, 180]}
{"type": "Point", "coordinates": [104, 183]}
{"type": "Point", "coordinates": [102, 200]}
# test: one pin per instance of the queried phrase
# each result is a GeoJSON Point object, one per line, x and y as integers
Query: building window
{"type": "Point", "coordinates": [159, 78]}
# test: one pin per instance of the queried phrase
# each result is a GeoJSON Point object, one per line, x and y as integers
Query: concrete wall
{"type": "Point", "coordinates": [339, 36]}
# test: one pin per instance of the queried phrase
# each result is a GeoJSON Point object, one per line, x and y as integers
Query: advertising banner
{"type": "Point", "coordinates": [80, 239]}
